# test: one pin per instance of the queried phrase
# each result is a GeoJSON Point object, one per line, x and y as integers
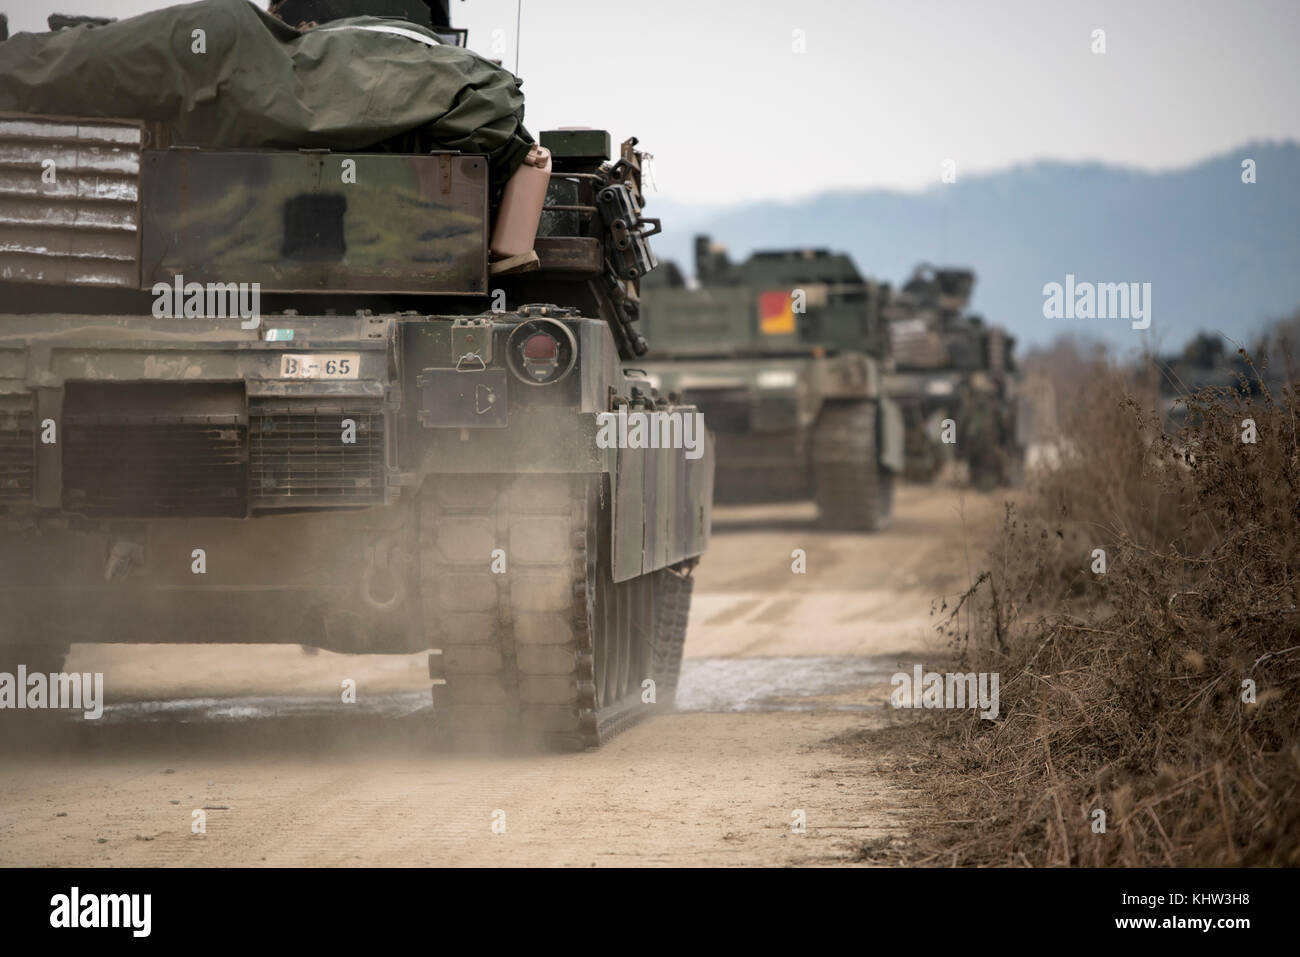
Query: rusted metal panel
{"type": "Point", "coordinates": [307, 221]}
{"type": "Point", "coordinates": [70, 201]}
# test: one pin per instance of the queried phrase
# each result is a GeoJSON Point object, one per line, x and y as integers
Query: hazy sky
{"type": "Point", "coordinates": [884, 92]}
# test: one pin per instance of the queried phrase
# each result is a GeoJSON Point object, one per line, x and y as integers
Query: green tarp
{"type": "Point", "coordinates": [347, 85]}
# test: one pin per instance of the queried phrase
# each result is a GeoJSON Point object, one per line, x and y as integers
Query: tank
{"type": "Point", "coordinates": [955, 380]}
{"type": "Point", "coordinates": [285, 395]}
{"type": "Point", "coordinates": [785, 353]}
{"type": "Point", "coordinates": [1206, 365]}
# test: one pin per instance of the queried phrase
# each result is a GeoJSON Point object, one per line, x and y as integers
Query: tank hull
{"type": "Point", "coordinates": [766, 415]}
{"type": "Point", "coordinates": [114, 528]}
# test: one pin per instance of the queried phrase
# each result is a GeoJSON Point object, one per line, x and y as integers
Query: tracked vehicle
{"type": "Point", "coordinates": [1206, 365]}
{"type": "Point", "coordinates": [786, 354]}
{"type": "Point", "coordinates": [955, 380]}
{"type": "Point", "coordinates": [272, 393]}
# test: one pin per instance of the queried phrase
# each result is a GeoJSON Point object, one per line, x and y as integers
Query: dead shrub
{"type": "Point", "coordinates": [1129, 692]}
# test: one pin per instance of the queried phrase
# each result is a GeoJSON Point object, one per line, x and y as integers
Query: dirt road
{"type": "Point", "coordinates": [256, 746]}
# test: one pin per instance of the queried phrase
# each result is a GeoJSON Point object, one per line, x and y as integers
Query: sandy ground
{"type": "Point", "coordinates": [778, 664]}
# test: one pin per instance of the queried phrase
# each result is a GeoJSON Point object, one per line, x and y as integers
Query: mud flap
{"type": "Point", "coordinates": [662, 506]}
{"type": "Point", "coordinates": [893, 453]}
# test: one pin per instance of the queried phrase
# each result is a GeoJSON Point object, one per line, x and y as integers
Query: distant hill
{"type": "Point", "coordinates": [1220, 255]}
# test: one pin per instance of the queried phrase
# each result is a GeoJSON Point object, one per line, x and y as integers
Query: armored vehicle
{"type": "Point", "coordinates": [954, 378]}
{"type": "Point", "coordinates": [785, 354]}
{"type": "Point", "coordinates": [265, 377]}
{"type": "Point", "coordinates": [1206, 366]}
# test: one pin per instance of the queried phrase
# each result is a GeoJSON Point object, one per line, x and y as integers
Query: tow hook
{"type": "Point", "coordinates": [123, 558]}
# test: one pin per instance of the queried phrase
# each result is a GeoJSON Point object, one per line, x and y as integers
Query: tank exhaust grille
{"type": "Point", "coordinates": [155, 450]}
{"type": "Point", "coordinates": [305, 454]}
{"type": "Point", "coordinates": [17, 452]}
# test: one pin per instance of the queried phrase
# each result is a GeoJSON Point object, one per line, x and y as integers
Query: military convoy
{"type": "Point", "coordinates": [288, 389]}
{"type": "Point", "coordinates": [785, 355]}
{"type": "Point", "coordinates": [273, 369]}
{"type": "Point", "coordinates": [954, 378]}
{"type": "Point", "coordinates": [819, 383]}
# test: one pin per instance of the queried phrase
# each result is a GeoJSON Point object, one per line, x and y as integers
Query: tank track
{"type": "Point", "coordinates": [519, 654]}
{"type": "Point", "coordinates": [853, 492]}
{"type": "Point", "coordinates": [673, 608]}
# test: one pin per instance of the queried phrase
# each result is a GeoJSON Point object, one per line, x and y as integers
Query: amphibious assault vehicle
{"type": "Point", "coordinates": [954, 378]}
{"type": "Point", "coordinates": [273, 367]}
{"type": "Point", "coordinates": [785, 353]}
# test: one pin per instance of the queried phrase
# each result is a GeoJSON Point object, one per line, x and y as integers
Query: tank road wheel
{"type": "Point", "coordinates": [852, 490]}
{"type": "Point", "coordinates": [539, 644]}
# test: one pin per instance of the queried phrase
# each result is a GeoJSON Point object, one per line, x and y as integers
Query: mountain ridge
{"type": "Point", "coordinates": [1220, 254]}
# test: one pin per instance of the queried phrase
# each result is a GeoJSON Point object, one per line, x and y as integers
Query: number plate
{"type": "Point", "coordinates": [324, 365]}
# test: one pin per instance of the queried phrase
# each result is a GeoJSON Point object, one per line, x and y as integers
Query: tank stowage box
{"type": "Point", "coordinates": [263, 393]}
